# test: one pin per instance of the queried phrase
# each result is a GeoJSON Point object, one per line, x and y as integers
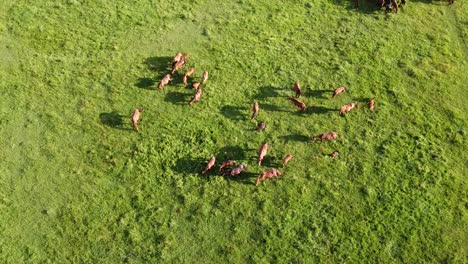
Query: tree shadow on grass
{"type": "Point", "coordinates": [235, 113]}
{"type": "Point", "coordinates": [113, 119]}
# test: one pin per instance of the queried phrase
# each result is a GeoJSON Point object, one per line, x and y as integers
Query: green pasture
{"type": "Point", "coordinates": [78, 185]}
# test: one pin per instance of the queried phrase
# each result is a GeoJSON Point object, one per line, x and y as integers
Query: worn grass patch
{"type": "Point", "coordinates": [77, 184]}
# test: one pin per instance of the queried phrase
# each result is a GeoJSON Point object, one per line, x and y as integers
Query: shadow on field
{"type": "Point", "coordinates": [296, 137]}
{"type": "Point", "coordinates": [363, 6]}
{"type": "Point", "coordinates": [145, 83]}
{"type": "Point", "coordinates": [314, 109]}
{"type": "Point", "coordinates": [189, 165]}
{"type": "Point", "coordinates": [235, 113]}
{"type": "Point", "coordinates": [270, 162]}
{"type": "Point", "coordinates": [230, 153]}
{"type": "Point", "coordinates": [267, 92]}
{"type": "Point", "coordinates": [362, 100]}
{"type": "Point", "coordinates": [245, 177]}
{"type": "Point", "coordinates": [177, 98]}
{"type": "Point", "coordinates": [192, 165]}
{"type": "Point", "coordinates": [161, 65]}
{"type": "Point", "coordinates": [271, 108]}
{"type": "Point", "coordinates": [319, 94]}
{"type": "Point", "coordinates": [113, 119]}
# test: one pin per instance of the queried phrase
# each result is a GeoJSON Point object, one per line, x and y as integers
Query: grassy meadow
{"type": "Point", "coordinates": [78, 185]}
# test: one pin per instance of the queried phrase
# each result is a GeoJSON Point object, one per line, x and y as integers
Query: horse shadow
{"type": "Point", "coordinates": [177, 98]}
{"type": "Point", "coordinates": [272, 108]}
{"type": "Point", "coordinates": [268, 91]}
{"type": "Point", "coordinates": [189, 165]}
{"type": "Point", "coordinates": [362, 100]}
{"type": "Point", "coordinates": [235, 113]}
{"type": "Point", "coordinates": [161, 65]}
{"type": "Point", "coordinates": [318, 94]}
{"type": "Point", "coordinates": [145, 83]}
{"type": "Point", "coordinates": [231, 153]}
{"type": "Point", "coordinates": [244, 177]}
{"type": "Point", "coordinates": [296, 138]}
{"type": "Point", "coordinates": [113, 119]}
{"type": "Point", "coordinates": [363, 6]}
{"type": "Point", "coordinates": [314, 109]}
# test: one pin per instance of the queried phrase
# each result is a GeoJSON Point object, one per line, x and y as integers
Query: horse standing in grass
{"type": "Point", "coordinates": [287, 159]}
{"type": "Point", "coordinates": [186, 75]}
{"type": "Point", "coordinates": [210, 165]}
{"type": "Point", "coordinates": [338, 91]}
{"type": "Point", "coordinates": [255, 109]}
{"type": "Point", "coordinates": [297, 103]}
{"type": "Point", "coordinates": [297, 89]}
{"type": "Point", "coordinates": [164, 81]}
{"type": "Point", "coordinates": [204, 77]}
{"type": "Point", "coordinates": [326, 136]}
{"type": "Point", "coordinates": [347, 107]}
{"type": "Point", "coordinates": [268, 175]}
{"type": "Point", "coordinates": [262, 153]}
{"type": "Point", "coordinates": [136, 117]}
{"type": "Point", "coordinates": [196, 97]}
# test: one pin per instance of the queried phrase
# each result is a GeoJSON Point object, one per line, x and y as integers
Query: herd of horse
{"type": "Point", "coordinates": [228, 168]}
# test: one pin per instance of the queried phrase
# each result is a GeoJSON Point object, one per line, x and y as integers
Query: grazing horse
{"type": "Point", "coordinates": [255, 109]}
{"type": "Point", "coordinates": [326, 136]}
{"type": "Point", "coordinates": [237, 170]}
{"type": "Point", "coordinates": [338, 91]}
{"type": "Point", "coordinates": [392, 4]}
{"type": "Point", "coordinates": [204, 77]}
{"type": "Point", "coordinates": [268, 175]}
{"type": "Point", "coordinates": [261, 126]}
{"type": "Point", "coordinates": [372, 103]}
{"type": "Point", "coordinates": [287, 159]}
{"type": "Point", "coordinates": [165, 80]}
{"type": "Point", "coordinates": [347, 107]}
{"type": "Point", "coordinates": [297, 103]}
{"type": "Point", "coordinates": [225, 165]}
{"type": "Point", "coordinates": [136, 117]}
{"type": "Point", "coordinates": [196, 97]}
{"type": "Point", "coordinates": [262, 152]}
{"type": "Point", "coordinates": [186, 75]}
{"type": "Point", "coordinates": [176, 59]}
{"type": "Point", "coordinates": [210, 165]}
{"type": "Point", "coordinates": [297, 89]}
{"type": "Point", "coordinates": [195, 85]}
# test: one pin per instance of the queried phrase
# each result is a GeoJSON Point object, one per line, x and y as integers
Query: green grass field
{"type": "Point", "coordinates": [78, 185]}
